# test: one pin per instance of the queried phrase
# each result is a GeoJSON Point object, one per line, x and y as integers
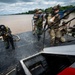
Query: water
{"type": "Point", "coordinates": [22, 23]}
{"type": "Point", "coordinates": [17, 23]}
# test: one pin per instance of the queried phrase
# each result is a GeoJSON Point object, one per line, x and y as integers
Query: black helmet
{"type": "Point", "coordinates": [57, 7]}
{"type": "Point", "coordinates": [2, 27]}
{"type": "Point", "coordinates": [36, 10]}
{"type": "Point", "coordinates": [54, 9]}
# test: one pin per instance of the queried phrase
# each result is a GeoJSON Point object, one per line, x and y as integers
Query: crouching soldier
{"type": "Point", "coordinates": [5, 32]}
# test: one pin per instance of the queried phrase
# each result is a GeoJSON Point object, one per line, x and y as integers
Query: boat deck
{"type": "Point", "coordinates": [27, 46]}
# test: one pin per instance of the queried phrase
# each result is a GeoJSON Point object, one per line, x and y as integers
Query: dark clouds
{"type": "Point", "coordinates": [28, 0]}
{"type": "Point", "coordinates": [8, 1]}
{"type": "Point", "coordinates": [14, 1]}
{"type": "Point", "coordinates": [19, 6]}
{"type": "Point", "coordinates": [58, 0]}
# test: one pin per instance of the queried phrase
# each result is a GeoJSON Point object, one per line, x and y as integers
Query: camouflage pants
{"type": "Point", "coordinates": [38, 27]}
{"type": "Point", "coordinates": [56, 36]}
{"type": "Point", "coordinates": [8, 40]}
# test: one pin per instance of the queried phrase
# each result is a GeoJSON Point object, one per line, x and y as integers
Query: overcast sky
{"type": "Point", "coordinates": [18, 6]}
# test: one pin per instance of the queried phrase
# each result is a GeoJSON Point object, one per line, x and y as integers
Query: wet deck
{"type": "Point", "coordinates": [27, 46]}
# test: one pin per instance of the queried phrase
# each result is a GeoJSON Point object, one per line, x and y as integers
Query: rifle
{"type": "Point", "coordinates": [65, 23]}
{"type": "Point", "coordinates": [61, 13]}
{"type": "Point", "coordinates": [70, 11]}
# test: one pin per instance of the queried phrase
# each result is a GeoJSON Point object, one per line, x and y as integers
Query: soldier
{"type": "Point", "coordinates": [35, 17]}
{"type": "Point", "coordinates": [55, 34]}
{"type": "Point", "coordinates": [39, 23]}
{"type": "Point", "coordinates": [72, 30]}
{"type": "Point", "coordinates": [5, 32]}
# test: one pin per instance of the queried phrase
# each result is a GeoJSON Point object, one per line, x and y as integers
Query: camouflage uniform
{"type": "Point", "coordinates": [73, 30]}
{"type": "Point", "coordinates": [7, 36]}
{"type": "Point", "coordinates": [55, 33]}
{"type": "Point", "coordinates": [35, 18]}
{"type": "Point", "coordinates": [39, 24]}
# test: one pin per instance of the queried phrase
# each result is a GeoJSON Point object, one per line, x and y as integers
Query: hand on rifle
{"type": "Point", "coordinates": [56, 15]}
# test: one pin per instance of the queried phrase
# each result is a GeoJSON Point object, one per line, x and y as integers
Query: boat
{"type": "Point", "coordinates": [56, 60]}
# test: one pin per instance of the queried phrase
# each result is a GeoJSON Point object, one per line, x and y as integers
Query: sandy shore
{"type": "Point", "coordinates": [22, 23]}
{"type": "Point", "coordinates": [17, 23]}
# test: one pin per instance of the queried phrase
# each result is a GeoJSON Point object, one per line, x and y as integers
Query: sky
{"type": "Point", "coordinates": [19, 6]}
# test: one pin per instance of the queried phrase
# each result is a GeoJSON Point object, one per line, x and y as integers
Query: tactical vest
{"type": "Point", "coordinates": [40, 20]}
{"type": "Point", "coordinates": [8, 30]}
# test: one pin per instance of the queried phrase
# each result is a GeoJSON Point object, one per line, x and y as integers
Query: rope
{"type": "Point", "coordinates": [16, 39]}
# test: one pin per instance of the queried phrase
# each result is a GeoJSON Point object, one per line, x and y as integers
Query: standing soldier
{"type": "Point", "coordinates": [5, 32]}
{"type": "Point", "coordinates": [35, 17]}
{"type": "Point", "coordinates": [55, 34]}
{"type": "Point", "coordinates": [39, 23]}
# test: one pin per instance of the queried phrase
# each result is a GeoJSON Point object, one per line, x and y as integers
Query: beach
{"type": "Point", "coordinates": [22, 23]}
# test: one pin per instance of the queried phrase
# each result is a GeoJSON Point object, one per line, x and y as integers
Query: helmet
{"type": "Point", "coordinates": [53, 13]}
{"type": "Point", "coordinates": [56, 7]}
{"type": "Point", "coordinates": [40, 11]}
{"type": "Point", "coordinates": [36, 10]}
{"type": "Point", "coordinates": [2, 27]}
